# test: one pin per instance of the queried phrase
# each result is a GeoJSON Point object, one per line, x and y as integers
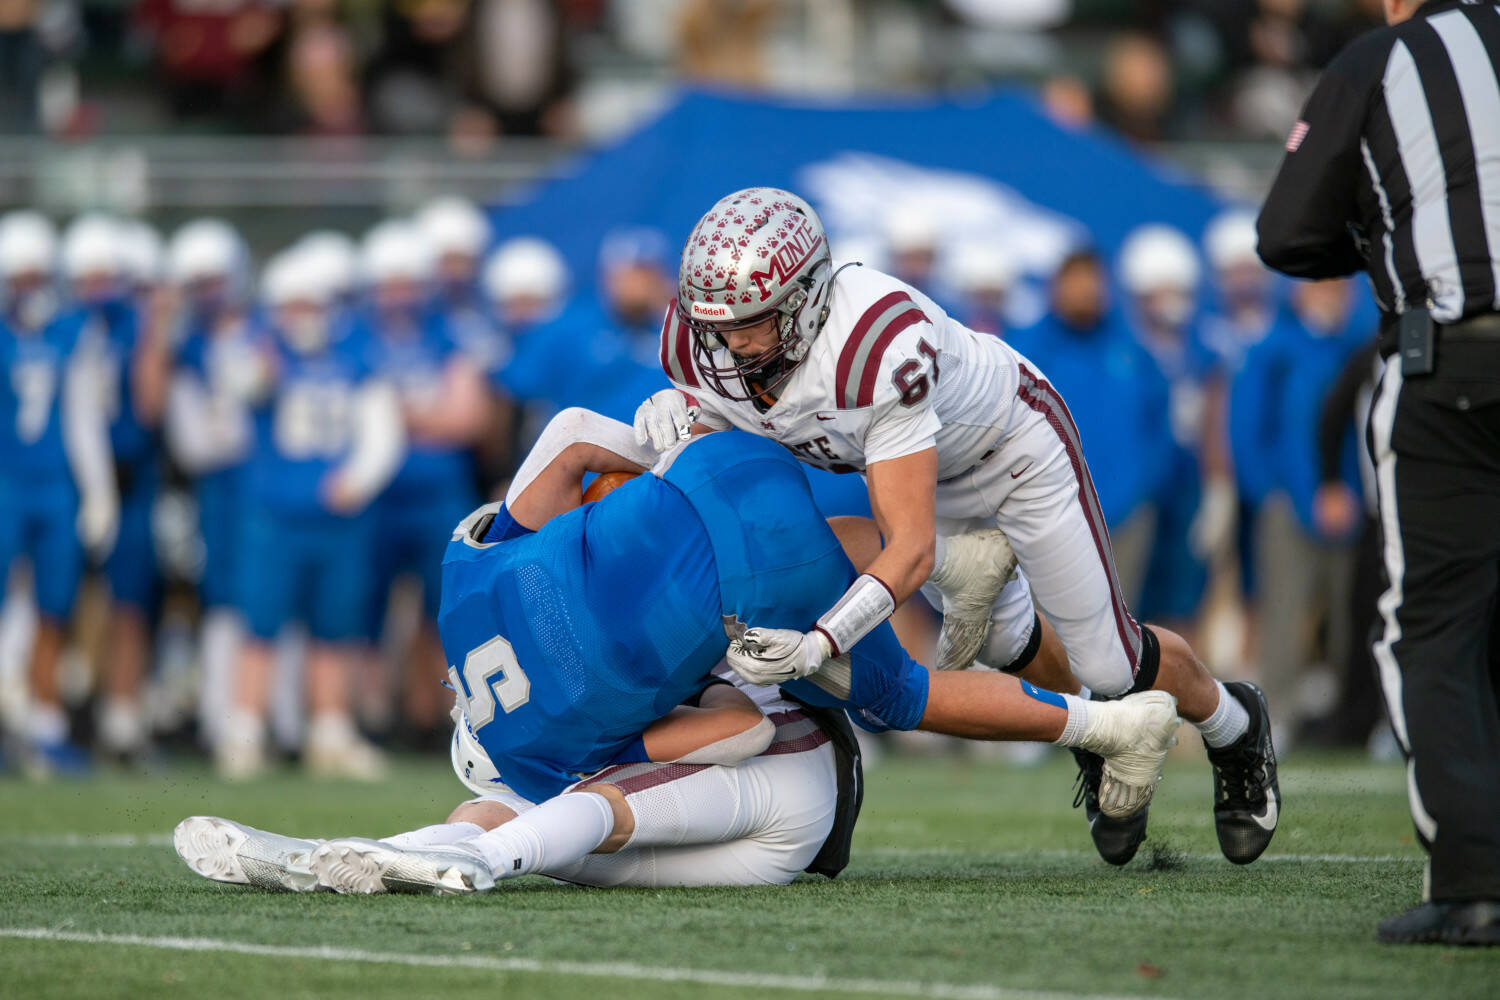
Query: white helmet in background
{"type": "Point", "coordinates": [142, 254]}
{"type": "Point", "coordinates": [28, 244]}
{"type": "Point", "coordinates": [299, 298]}
{"type": "Point", "coordinates": [395, 250]}
{"type": "Point", "coordinates": [333, 256]}
{"type": "Point", "coordinates": [909, 228]}
{"type": "Point", "coordinates": [205, 249]}
{"type": "Point", "coordinates": [1231, 239]}
{"type": "Point", "coordinates": [92, 245]}
{"type": "Point", "coordinates": [984, 266]}
{"type": "Point", "coordinates": [525, 267]}
{"type": "Point", "coordinates": [1158, 258]}
{"type": "Point", "coordinates": [453, 225]}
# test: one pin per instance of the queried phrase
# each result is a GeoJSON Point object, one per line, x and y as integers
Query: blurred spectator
{"type": "Point", "coordinates": [1305, 568]}
{"type": "Point", "coordinates": [1118, 398]}
{"type": "Point", "coordinates": [22, 60]}
{"type": "Point", "coordinates": [321, 72]}
{"type": "Point", "coordinates": [517, 68]}
{"type": "Point", "coordinates": [725, 41]}
{"type": "Point", "coordinates": [1138, 93]}
{"type": "Point", "coordinates": [211, 59]}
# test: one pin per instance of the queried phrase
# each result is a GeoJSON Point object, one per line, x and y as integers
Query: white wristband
{"type": "Point", "coordinates": [866, 603]}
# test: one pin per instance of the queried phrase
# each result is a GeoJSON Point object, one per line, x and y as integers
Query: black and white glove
{"type": "Point", "coordinates": [768, 656]}
{"type": "Point", "coordinates": [664, 419]}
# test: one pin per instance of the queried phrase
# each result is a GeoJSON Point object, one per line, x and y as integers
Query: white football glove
{"type": "Point", "coordinates": [664, 419]}
{"type": "Point", "coordinates": [776, 655]}
{"type": "Point", "coordinates": [98, 520]}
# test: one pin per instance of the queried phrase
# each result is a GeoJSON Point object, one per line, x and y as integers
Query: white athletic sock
{"type": "Point", "coordinates": [1078, 720]}
{"type": "Point", "coordinates": [558, 832]}
{"type": "Point", "coordinates": [219, 653]}
{"type": "Point", "coordinates": [1228, 722]}
{"type": "Point", "coordinates": [438, 835]}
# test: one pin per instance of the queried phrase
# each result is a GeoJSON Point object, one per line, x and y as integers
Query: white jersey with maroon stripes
{"type": "Point", "coordinates": [889, 375]}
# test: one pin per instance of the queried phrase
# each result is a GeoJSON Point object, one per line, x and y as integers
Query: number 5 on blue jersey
{"type": "Point", "coordinates": [479, 688]}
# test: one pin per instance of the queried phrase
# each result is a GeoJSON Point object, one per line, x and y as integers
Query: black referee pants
{"type": "Point", "coordinates": [1436, 444]}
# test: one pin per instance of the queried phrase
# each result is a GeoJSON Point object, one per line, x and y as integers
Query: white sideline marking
{"type": "Point", "coordinates": [612, 970]}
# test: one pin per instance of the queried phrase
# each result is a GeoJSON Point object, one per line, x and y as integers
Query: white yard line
{"type": "Point", "coordinates": [607, 970]}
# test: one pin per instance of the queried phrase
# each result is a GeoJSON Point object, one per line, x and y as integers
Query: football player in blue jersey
{"type": "Point", "coordinates": [406, 342]}
{"type": "Point", "coordinates": [214, 371]}
{"type": "Point", "coordinates": [568, 641]}
{"type": "Point", "coordinates": [57, 488]}
{"type": "Point", "coordinates": [327, 439]}
{"type": "Point", "coordinates": [133, 388]}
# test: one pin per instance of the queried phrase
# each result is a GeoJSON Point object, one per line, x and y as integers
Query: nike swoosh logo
{"type": "Point", "coordinates": [1267, 820]}
{"type": "Point", "coordinates": [821, 417]}
{"type": "Point", "coordinates": [1018, 475]}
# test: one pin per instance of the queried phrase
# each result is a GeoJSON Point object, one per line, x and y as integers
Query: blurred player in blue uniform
{"type": "Point", "coordinates": [215, 370]}
{"type": "Point", "coordinates": [57, 486]}
{"type": "Point", "coordinates": [405, 341]}
{"type": "Point", "coordinates": [1159, 270]}
{"type": "Point", "coordinates": [1119, 400]}
{"type": "Point", "coordinates": [133, 390]}
{"type": "Point", "coordinates": [327, 439]}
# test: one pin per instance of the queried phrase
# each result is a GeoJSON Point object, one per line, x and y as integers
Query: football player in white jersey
{"type": "Point", "coordinates": [854, 371]}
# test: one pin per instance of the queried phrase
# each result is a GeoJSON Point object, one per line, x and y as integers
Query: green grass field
{"type": "Point", "coordinates": [970, 880]}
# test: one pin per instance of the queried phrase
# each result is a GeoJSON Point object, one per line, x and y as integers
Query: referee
{"type": "Point", "coordinates": [1394, 167]}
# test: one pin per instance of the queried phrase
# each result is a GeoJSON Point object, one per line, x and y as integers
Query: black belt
{"type": "Point", "coordinates": [1485, 326]}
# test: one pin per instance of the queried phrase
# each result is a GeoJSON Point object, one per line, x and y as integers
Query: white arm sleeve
{"type": "Point", "coordinates": [379, 443]}
{"type": "Point", "coordinates": [575, 425]}
{"type": "Point", "coordinates": [85, 427]}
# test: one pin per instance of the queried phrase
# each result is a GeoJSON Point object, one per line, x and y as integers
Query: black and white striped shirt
{"type": "Point", "coordinates": [1394, 166]}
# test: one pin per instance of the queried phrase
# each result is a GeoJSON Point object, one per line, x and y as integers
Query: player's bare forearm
{"type": "Point", "coordinates": [903, 498]}
{"type": "Point", "coordinates": [559, 487]}
{"type": "Point", "coordinates": [723, 713]}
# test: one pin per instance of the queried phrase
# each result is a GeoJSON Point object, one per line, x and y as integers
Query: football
{"type": "Point", "coordinates": [606, 483]}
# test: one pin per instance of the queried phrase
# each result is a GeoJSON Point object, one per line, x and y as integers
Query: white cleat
{"type": "Point", "coordinates": [976, 567]}
{"type": "Point", "coordinates": [1133, 736]}
{"type": "Point", "coordinates": [358, 867]}
{"type": "Point", "coordinates": [226, 851]}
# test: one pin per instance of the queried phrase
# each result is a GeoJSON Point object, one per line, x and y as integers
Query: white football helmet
{"type": "Point", "coordinates": [395, 250]}
{"type": "Point", "coordinates": [1231, 239]}
{"type": "Point", "coordinates": [92, 245]}
{"type": "Point", "coordinates": [983, 266]}
{"type": "Point", "coordinates": [759, 252]}
{"type": "Point", "coordinates": [141, 252]}
{"type": "Point", "coordinates": [333, 256]}
{"type": "Point", "coordinates": [205, 249]}
{"type": "Point", "coordinates": [525, 266]}
{"type": "Point", "coordinates": [453, 225]}
{"type": "Point", "coordinates": [299, 296]}
{"type": "Point", "coordinates": [1158, 258]}
{"type": "Point", "coordinates": [28, 244]}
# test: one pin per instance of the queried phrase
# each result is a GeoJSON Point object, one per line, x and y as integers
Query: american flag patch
{"type": "Point", "coordinates": [1295, 137]}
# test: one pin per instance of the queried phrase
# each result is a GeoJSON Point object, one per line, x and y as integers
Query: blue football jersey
{"type": "Point", "coordinates": [565, 644]}
{"type": "Point", "coordinates": [307, 426]}
{"type": "Point", "coordinates": [116, 325]}
{"type": "Point", "coordinates": [414, 355]}
{"type": "Point", "coordinates": [35, 366]}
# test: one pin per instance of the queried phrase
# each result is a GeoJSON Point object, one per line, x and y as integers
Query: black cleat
{"type": "Point", "coordinates": [1116, 840]}
{"type": "Point", "coordinates": [1473, 923]}
{"type": "Point", "coordinates": [1247, 798]}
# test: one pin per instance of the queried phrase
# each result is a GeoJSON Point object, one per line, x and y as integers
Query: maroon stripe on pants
{"type": "Point", "coordinates": [1042, 398]}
